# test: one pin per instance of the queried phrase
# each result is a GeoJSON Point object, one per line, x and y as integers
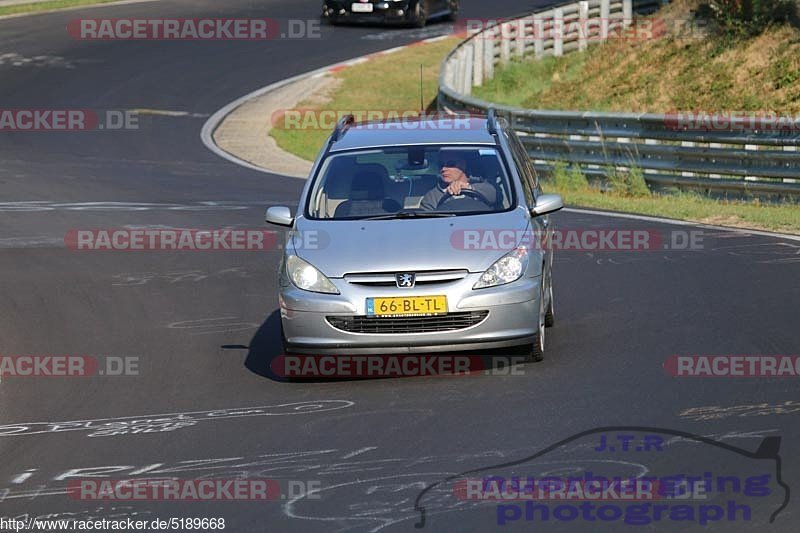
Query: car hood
{"type": "Point", "coordinates": [473, 242]}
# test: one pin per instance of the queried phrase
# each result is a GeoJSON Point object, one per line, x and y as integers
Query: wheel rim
{"type": "Point", "coordinates": [541, 322]}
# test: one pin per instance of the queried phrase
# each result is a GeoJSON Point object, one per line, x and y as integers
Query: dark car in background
{"type": "Point", "coordinates": [410, 12]}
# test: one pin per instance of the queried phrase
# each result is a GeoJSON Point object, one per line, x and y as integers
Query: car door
{"type": "Point", "coordinates": [541, 226]}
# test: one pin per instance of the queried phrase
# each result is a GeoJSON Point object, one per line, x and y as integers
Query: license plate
{"type": "Point", "coordinates": [407, 306]}
{"type": "Point", "coordinates": [361, 8]}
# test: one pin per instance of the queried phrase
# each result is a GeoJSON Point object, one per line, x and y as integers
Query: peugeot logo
{"type": "Point", "coordinates": [405, 280]}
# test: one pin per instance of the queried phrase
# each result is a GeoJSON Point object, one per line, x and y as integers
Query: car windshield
{"type": "Point", "coordinates": [410, 182]}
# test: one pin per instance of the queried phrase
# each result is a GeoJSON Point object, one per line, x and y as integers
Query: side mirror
{"type": "Point", "coordinates": [279, 215]}
{"type": "Point", "coordinates": [547, 203]}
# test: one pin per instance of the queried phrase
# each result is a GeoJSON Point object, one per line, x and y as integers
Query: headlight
{"type": "Point", "coordinates": [306, 277]}
{"type": "Point", "coordinates": [508, 268]}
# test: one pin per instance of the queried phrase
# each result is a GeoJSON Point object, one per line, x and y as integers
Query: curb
{"type": "Point", "coordinates": [211, 125]}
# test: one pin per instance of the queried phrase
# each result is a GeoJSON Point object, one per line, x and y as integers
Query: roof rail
{"type": "Point", "coordinates": [491, 121]}
{"type": "Point", "coordinates": [341, 127]}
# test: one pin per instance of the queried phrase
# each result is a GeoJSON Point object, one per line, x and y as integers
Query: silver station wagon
{"type": "Point", "coordinates": [412, 238]}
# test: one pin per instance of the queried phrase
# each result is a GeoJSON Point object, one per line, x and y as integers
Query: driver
{"type": "Point", "coordinates": [453, 179]}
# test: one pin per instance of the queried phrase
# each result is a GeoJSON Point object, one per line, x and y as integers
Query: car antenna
{"type": "Point", "coordinates": [421, 100]}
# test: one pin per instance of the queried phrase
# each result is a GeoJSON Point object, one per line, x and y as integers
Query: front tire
{"type": "Point", "coordinates": [420, 14]}
{"type": "Point", "coordinates": [455, 7]}
{"type": "Point", "coordinates": [535, 351]}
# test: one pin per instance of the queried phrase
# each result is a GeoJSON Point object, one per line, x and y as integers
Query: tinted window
{"type": "Point", "coordinates": [520, 162]}
{"type": "Point", "coordinates": [528, 170]}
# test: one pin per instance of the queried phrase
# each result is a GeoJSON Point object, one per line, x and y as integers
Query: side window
{"type": "Point", "coordinates": [530, 172]}
{"type": "Point", "coordinates": [520, 160]}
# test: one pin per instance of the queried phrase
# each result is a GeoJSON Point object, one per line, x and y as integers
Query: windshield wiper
{"type": "Point", "coordinates": [410, 214]}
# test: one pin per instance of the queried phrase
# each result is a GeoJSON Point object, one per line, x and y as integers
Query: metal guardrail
{"type": "Point", "coordinates": [669, 148]}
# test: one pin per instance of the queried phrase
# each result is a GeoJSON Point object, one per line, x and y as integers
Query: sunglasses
{"type": "Point", "coordinates": [452, 163]}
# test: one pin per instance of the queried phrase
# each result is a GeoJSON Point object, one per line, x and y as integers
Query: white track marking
{"type": "Point", "coordinates": [682, 223]}
{"type": "Point", "coordinates": [359, 452]}
{"type": "Point", "coordinates": [75, 8]}
{"type": "Point", "coordinates": [168, 422]}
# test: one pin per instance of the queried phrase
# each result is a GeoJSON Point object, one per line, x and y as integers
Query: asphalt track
{"type": "Point", "coordinates": [203, 325]}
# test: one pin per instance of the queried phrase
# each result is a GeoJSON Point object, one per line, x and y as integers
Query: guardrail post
{"type": "Point", "coordinates": [790, 149]}
{"type": "Point", "coordinates": [688, 144]}
{"type": "Point", "coordinates": [715, 145]}
{"type": "Point", "coordinates": [488, 55]}
{"type": "Point", "coordinates": [583, 21]}
{"type": "Point", "coordinates": [449, 79]}
{"type": "Point", "coordinates": [650, 142]}
{"type": "Point", "coordinates": [463, 81]}
{"type": "Point", "coordinates": [538, 37]}
{"type": "Point", "coordinates": [627, 12]}
{"type": "Point", "coordinates": [750, 147]}
{"type": "Point", "coordinates": [477, 61]}
{"type": "Point", "coordinates": [605, 15]}
{"type": "Point", "coordinates": [458, 70]}
{"type": "Point", "coordinates": [505, 42]}
{"type": "Point", "coordinates": [558, 31]}
{"type": "Point", "coordinates": [467, 66]}
{"type": "Point", "coordinates": [519, 49]}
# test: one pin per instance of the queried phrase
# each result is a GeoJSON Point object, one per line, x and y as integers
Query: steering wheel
{"type": "Point", "coordinates": [472, 193]}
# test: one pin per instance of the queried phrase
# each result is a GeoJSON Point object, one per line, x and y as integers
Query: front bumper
{"type": "Point", "coordinates": [511, 320]}
{"type": "Point", "coordinates": [383, 12]}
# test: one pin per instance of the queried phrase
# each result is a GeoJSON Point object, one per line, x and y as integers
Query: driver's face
{"type": "Point", "coordinates": [452, 169]}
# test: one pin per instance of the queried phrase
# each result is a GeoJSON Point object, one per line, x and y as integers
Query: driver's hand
{"type": "Point", "coordinates": [455, 187]}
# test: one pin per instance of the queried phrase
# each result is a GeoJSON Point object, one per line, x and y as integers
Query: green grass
{"type": "Point", "coordinates": [576, 191]}
{"type": "Point", "coordinates": [48, 6]}
{"type": "Point", "coordinates": [519, 82]}
{"type": "Point", "coordinates": [677, 71]}
{"type": "Point", "coordinates": [384, 83]}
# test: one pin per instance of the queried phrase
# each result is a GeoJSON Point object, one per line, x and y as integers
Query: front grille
{"type": "Point", "coordinates": [387, 279]}
{"type": "Point", "coordinates": [411, 324]}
